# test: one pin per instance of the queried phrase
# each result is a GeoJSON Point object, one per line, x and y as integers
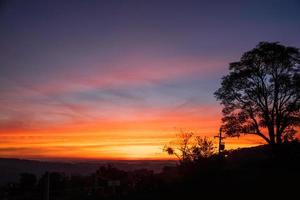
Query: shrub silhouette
{"type": "Point", "coordinates": [190, 148]}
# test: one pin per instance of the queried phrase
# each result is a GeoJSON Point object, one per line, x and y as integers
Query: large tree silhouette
{"type": "Point", "coordinates": [261, 93]}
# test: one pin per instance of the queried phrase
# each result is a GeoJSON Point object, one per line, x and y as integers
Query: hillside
{"type": "Point", "coordinates": [10, 168]}
{"type": "Point", "coordinates": [256, 171]}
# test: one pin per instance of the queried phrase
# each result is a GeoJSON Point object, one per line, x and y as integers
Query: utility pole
{"type": "Point", "coordinates": [221, 144]}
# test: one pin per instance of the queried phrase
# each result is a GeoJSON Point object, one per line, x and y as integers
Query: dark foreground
{"type": "Point", "coordinates": [252, 173]}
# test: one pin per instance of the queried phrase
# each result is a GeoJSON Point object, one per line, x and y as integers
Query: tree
{"type": "Point", "coordinates": [27, 180]}
{"type": "Point", "coordinates": [181, 148]}
{"type": "Point", "coordinates": [261, 93]}
{"type": "Point", "coordinates": [203, 148]}
{"type": "Point", "coordinates": [188, 148]}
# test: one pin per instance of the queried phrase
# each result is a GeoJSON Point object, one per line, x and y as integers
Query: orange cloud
{"type": "Point", "coordinates": [140, 137]}
{"type": "Point", "coordinates": [45, 120]}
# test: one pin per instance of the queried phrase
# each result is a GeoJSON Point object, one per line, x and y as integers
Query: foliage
{"type": "Point", "coordinates": [261, 93]}
{"type": "Point", "coordinates": [189, 147]}
{"type": "Point", "coordinates": [27, 180]}
{"type": "Point", "coordinates": [203, 148]}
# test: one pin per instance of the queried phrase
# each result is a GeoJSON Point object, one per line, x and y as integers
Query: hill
{"type": "Point", "coordinates": [10, 168]}
{"type": "Point", "coordinates": [249, 172]}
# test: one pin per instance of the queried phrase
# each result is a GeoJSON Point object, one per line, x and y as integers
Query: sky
{"type": "Point", "coordinates": [119, 79]}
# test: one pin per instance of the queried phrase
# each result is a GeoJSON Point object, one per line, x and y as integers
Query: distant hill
{"type": "Point", "coordinates": [254, 157]}
{"type": "Point", "coordinates": [247, 172]}
{"type": "Point", "coordinates": [10, 168]}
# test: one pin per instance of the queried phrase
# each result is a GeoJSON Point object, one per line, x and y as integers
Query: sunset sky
{"type": "Point", "coordinates": [118, 79]}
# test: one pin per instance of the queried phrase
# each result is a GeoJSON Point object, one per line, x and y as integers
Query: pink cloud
{"type": "Point", "coordinates": [129, 71]}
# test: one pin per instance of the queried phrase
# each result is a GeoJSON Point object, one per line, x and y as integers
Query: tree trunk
{"type": "Point", "coordinates": [278, 139]}
{"type": "Point", "coordinates": [271, 135]}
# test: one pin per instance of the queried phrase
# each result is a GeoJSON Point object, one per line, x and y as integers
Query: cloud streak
{"type": "Point", "coordinates": [74, 76]}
